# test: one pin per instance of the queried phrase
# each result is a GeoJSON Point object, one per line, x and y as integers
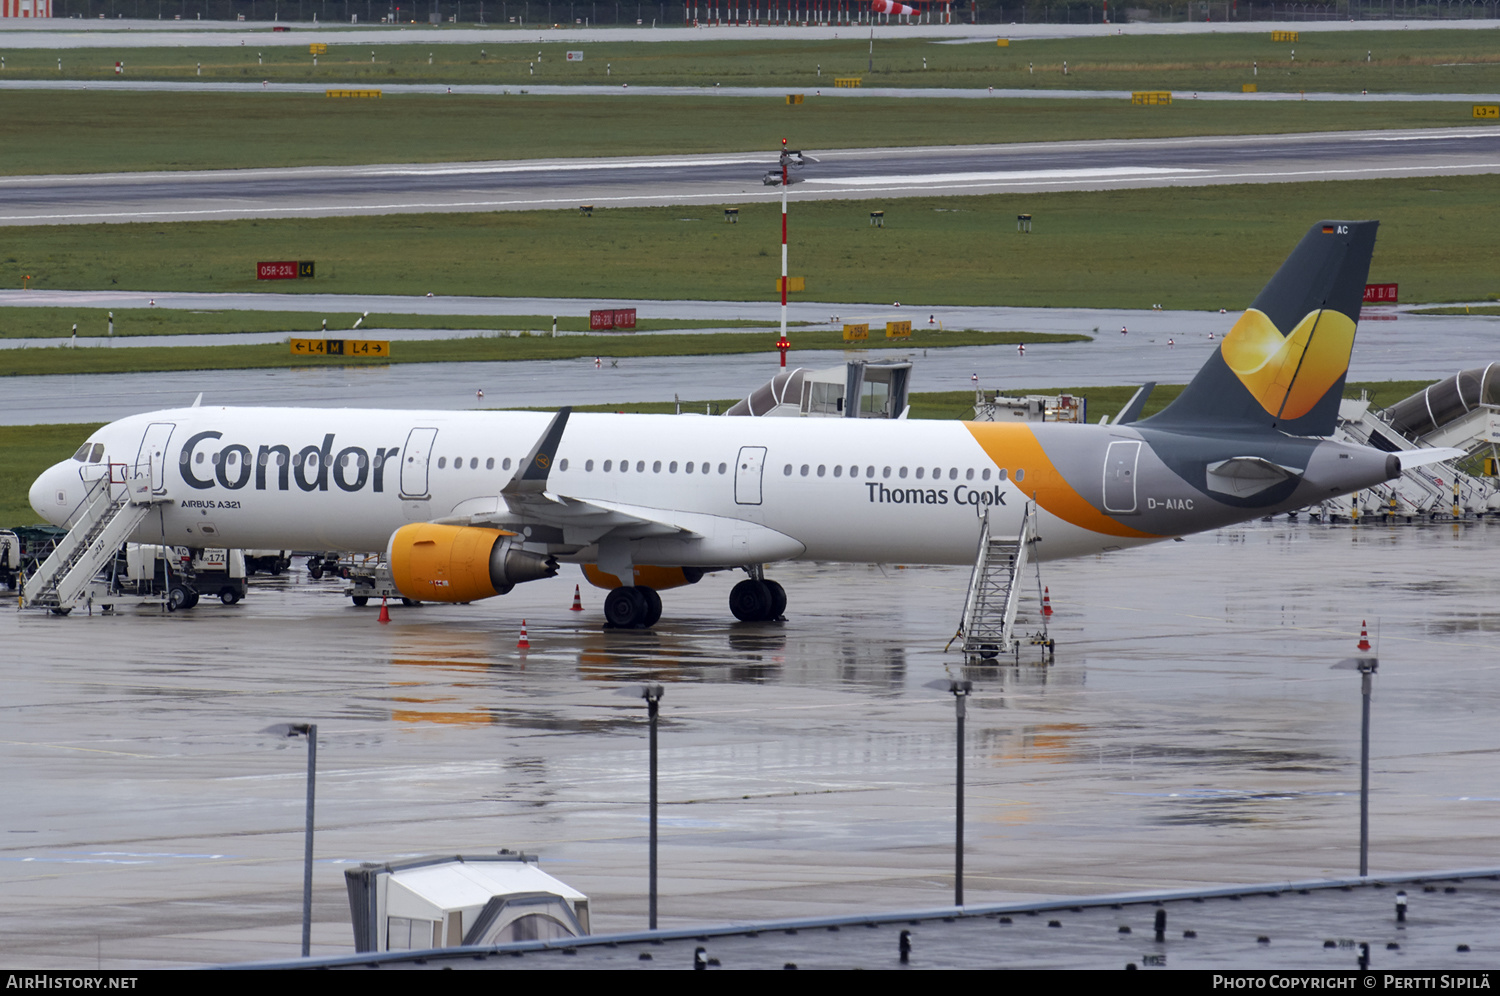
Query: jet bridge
{"type": "Point", "coordinates": [461, 901]}
{"type": "Point", "coordinates": [1462, 412]}
{"type": "Point", "coordinates": [857, 389]}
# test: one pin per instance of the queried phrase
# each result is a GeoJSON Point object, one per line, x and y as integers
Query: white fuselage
{"type": "Point", "coordinates": [742, 490]}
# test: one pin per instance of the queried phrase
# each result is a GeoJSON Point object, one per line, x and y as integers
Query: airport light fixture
{"type": "Point", "coordinates": [310, 731]}
{"type": "Point", "coordinates": [652, 693]}
{"type": "Point", "coordinates": [1366, 666]}
{"type": "Point", "coordinates": [961, 688]}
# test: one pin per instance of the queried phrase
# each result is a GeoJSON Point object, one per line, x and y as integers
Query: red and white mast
{"type": "Point", "coordinates": [783, 344]}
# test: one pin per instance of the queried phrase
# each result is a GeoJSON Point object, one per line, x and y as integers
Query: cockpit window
{"type": "Point", "coordinates": [83, 452]}
{"type": "Point", "coordinates": [98, 453]}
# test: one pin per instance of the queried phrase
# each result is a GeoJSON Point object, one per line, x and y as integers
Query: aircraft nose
{"type": "Point", "coordinates": [51, 493]}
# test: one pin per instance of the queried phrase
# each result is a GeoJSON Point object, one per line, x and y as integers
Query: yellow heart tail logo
{"type": "Point", "coordinates": [1289, 374]}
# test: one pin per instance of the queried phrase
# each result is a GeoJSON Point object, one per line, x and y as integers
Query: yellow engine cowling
{"type": "Point", "coordinates": [433, 563]}
{"type": "Point", "coordinates": [660, 578]}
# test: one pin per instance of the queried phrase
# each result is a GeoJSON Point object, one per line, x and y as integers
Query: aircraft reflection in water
{"type": "Point", "coordinates": [468, 504]}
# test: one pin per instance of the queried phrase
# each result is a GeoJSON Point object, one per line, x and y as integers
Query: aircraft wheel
{"type": "Point", "coordinates": [653, 606]}
{"type": "Point", "coordinates": [229, 596]}
{"type": "Point", "coordinates": [178, 597]}
{"type": "Point", "coordinates": [192, 600]}
{"type": "Point", "coordinates": [315, 569]}
{"type": "Point", "coordinates": [360, 600]}
{"type": "Point", "coordinates": [624, 607]}
{"type": "Point", "coordinates": [750, 601]}
{"type": "Point", "coordinates": [778, 600]}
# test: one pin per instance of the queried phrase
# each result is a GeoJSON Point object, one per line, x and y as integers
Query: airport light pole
{"type": "Point", "coordinates": [310, 731]}
{"type": "Point", "coordinates": [961, 689]}
{"type": "Point", "coordinates": [1366, 666]}
{"type": "Point", "coordinates": [652, 693]}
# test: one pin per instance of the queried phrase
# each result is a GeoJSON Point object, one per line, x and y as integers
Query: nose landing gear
{"type": "Point", "coordinates": [757, 600]}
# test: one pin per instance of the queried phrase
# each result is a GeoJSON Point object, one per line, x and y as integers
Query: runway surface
{"type": "Point", "coordinates": [1190, 733]}
{"type": "Point", "coordinates": [737, 178]}
{"type": "Point", "coordinates": [123, 33]}
{"type": "Point", "coordinates": [1167, 347]}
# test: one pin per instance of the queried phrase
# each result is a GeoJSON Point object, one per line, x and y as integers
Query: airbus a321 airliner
{"type": "Point", "coordinates": [466, 505]}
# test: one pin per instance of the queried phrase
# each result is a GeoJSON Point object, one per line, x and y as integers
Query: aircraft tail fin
{"type": "Point", "coordinates": [1284, 363]}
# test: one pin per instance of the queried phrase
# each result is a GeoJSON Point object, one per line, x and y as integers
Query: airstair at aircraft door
{"type": "Point", "coordinates": [989, 621]}
{"type": "Point", "coordinates": [108, 515]}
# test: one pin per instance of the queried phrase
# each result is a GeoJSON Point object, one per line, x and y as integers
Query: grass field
{"type": "Point", "coordinates": [96, 131]}
{"type": "Point", "coordinates": [1457, 60]}
{"type": "Point", "coordinates": [1185, 248]}
{"type": "Point", "coordinates": [135, 359]}
{"type": "Point", "coordinates": [27, 450]}
{"type": "Point", "coordinates": [30, 323]}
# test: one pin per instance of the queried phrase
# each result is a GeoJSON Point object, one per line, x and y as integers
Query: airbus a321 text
{"type": "Point", "coordinates": [465, 505]}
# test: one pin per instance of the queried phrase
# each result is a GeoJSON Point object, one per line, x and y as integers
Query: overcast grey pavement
{"type": "Point", "coordinates": [125, 33]}
{"type": "Point", "coordinates": [1167, 347]}
{"type": "Point", "coordinates": [736, 178]}
{"type": "Point", "coordinates": [1190, 734]}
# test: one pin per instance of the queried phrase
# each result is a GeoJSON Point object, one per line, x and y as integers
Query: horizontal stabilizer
{"type": "Point", "coordinates": [1436, 454]}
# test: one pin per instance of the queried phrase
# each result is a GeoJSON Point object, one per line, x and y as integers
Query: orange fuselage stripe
{"type": "Point", "coordinates": [1015, 447]}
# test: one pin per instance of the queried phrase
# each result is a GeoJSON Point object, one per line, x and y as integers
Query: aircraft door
{"type": "Point", "coordinates": [151, 458]}
{"type": "Point", "coordinates": [747, 474]}
{"type": "Point", "coordinates": [1119, 476]}
{"type": "Point", "coordinates": [414, 459]}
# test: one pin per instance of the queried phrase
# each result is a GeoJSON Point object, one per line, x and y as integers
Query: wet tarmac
{"type": "Point", "coordinates": [1163, 346]}
{"type": "Point", "coordinates": [1189, 734]}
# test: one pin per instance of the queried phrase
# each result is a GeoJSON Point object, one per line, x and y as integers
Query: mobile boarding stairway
{"type": "Point", "coordinates": [995, 592]}
{"type": "Point", "coordinates": [113, 507]}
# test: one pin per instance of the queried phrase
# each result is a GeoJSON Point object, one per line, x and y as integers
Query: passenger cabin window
{"type": "Point", "coordinates": [788, 470]}
{"type": "Point", "coordinates": [442, 462]}
{"type": "Point", "coordinates": [562, 464]}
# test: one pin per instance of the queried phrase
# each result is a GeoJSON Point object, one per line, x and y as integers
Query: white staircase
{"type": "Point", "coordinates": [107, 516]}
{"type": "Point", "coordinates": [988, 628]}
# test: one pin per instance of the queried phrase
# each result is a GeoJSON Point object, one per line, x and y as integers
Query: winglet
{"type": "Point", "coordinates": [1137, 402]}
{"type": "Point", "coordinates": [531, 475]}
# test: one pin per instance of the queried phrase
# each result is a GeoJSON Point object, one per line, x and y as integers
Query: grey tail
{"type": "Point", "coordinates": [1284, 363]}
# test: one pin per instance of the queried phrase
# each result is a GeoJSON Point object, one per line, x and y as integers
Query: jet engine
{"type": "Point", "coordinates": [434, 563]}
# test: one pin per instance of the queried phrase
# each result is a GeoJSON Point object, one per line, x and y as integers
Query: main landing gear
{"type": "Point", "coordinates": [638, 607]}
{"type": "Point", "coordinates": [632, 607]}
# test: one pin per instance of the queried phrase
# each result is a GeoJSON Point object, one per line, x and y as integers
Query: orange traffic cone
{"type": "Point", "coordinates": [523, 643]}
{"type": "Point", "coordinates": [1046, 601]}
{"type": "Point", "coordinates": [385, 613]}
{"type": "Point", "coordinates": [1364, 636]}
{"type": "Point", "coordinates": [577, 600]}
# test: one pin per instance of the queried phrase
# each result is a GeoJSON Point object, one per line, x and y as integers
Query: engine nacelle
{"type": "Point", "coordinates": [660, 578]}
{"type": "Point", "coordinates": [433, 563]}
